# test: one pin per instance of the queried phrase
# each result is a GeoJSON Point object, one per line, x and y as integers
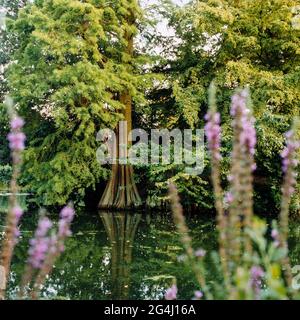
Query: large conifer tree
{"type": "Point", "coordinates": [74, 75]}
{"type": "Point", "coordinates": [121, 191]}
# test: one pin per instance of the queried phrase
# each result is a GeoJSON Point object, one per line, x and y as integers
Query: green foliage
{"type": "Point", "coordinates": [8, 45]}
{"type": "Point", "coordinates": [236, 44]}
{"type": "Point", "coordinates": [8, 41]}
{"type": "Point", "coordinates": [72, 66]}
{"type": "Point", "coordinates": [5, 175]}
{"type": "Point", "coordinates": [194, 189]}
{"type": "Point", "coordinates": [267, 255]}
{"type": "Point", "coordinates": [4, 129]}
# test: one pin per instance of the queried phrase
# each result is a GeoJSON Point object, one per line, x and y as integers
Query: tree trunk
{"type": "Point", "coordinates": [121, 191]}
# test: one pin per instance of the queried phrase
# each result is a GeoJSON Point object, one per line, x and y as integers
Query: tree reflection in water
{"type": "Point", "coordinates": [121, 229]}
{"type": "Point", "coordinates": [124, 255]}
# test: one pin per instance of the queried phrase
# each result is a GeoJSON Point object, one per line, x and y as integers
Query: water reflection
{"type": "Point", "coordinates": [124, 256]}
{"type": "Point", "coordinates": [121, 230]}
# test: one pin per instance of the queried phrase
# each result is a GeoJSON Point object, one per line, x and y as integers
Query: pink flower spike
{"type": "Point", "coordinates": [213, 133]}
{"type": "Point", "coordinates": [16, 141]}
{"type": "Point", "coordinates": [67, 213]}
{"type": "Point", "coordinates": [229, 198]}
{"type": "Point", "coordinates": [171, 293]}
{"type": "Point", "coordinates": [18, 213]}
{"type": "Point", "coordinates": [64, 228]}
{"type": "Point", "coordinates": [200, 253]}
{"type": "Point", "coordinates": [257, 272]}
{"type": "Point", "coordinates": [17, 123]}
{"type": "Point", "coordinates": [289, 152]}
{"type": "Point", "coordinates": [275, 234]}
{"type": "Point", "coordinates": [43, 227]}
{"type": "Point", "coordinates": [17, 233]}
{"type": "Point", "coordinates": [198, 295]}
{"type": "Point", "coordinates": [248, 135]}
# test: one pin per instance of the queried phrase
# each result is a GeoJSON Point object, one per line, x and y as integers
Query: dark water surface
{"type": "Point", "coordinates": [124, 256]}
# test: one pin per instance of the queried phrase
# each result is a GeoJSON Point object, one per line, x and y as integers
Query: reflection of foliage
{"type": "Point", "coordinates": [84, 270]}
{"type": "Point", "coordinates": [80, 273]}
{"type": "Point", "coordinates": [156, 253]}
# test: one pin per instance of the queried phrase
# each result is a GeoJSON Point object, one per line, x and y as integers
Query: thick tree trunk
{"type": "Point", "coordinates": [121, 191]}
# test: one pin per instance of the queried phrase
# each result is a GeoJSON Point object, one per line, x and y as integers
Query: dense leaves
{"type": "Point", "coordinates": [68, 65]}
{"type": "Point", "coordinates": [72, 65]}
{"type": "Point", "coordinates": [236, 44]}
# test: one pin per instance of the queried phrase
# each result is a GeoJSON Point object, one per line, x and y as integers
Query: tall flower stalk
{"type": "Point", "coordinates": [242, 243]}
{"type": "Point", "coordinates": [213, 134]}
{"type": "Point", "coordinates": [16, 140]}
{"type": "Point", "coordinates": [241, 177]}
{"type": "Point", "coordinates": [187, 241]}
{"type": "Point", "coordinates": [39, 246]}
{"type": "Point", "coordinates": [56, 247]}
{"type": "Point", "coordinates": [45, 248]}
{"type": "Point", "coordinates": [289, 165]}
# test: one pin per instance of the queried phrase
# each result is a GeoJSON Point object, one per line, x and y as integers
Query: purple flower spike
{"type": "Point", "coordinates": [67, 213]}
{"type": "Point", "coordinates": [171, 293]}
{"type": "Point", "coordinates": [200, 253]}
{"type": "Point", "coordinates": [289, 163]}
{"type": "Point", "coordinates": [256, 276]}
{"type": "Point", "coordinates": [276, 237]}
{"type": "Point", "coordinates": [17, 234]}
{"type": "Point", "coordinates": [39, 246]}
{"type": "Point", "coordinates": [288, 154]}
{"type": "Point", "coordinates": [275, 234]}
{"type": "Point", "coordinates": [64, 229]}
{"type": "Point", "coordinates": [18, 213]}
{"type": "Point", "coordinates": [239, 108]}
{"type": "Point", "coordinates": [16, 141]}
{"type": "Point", "coordinates": [257, 272]}
{"type": "Point", "coordinates": [229, 198]}
{"type": "Point", "coordinates": [239, 104]}
{"type": "Point", "coordinates": [66, 216]}
{"type": "Point", "coordinates": [198, 295]}
{"type": "Point", "coordinates": [43, 227]}
{"type": "Point", "coordinates": [16, 138]}
{"type": "Point", "coordinates": [38, 251]}
{"type": "Point", "coordinates": [213, 133]}
{"type": "Point", "coordinates": [17, 123]}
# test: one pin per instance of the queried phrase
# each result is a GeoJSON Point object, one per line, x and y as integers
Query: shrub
{"type": "Point", "coordinates": [5, 174]}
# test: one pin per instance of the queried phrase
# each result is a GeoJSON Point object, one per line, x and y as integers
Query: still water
{"type": "Point", "coordinates": [124, 256]}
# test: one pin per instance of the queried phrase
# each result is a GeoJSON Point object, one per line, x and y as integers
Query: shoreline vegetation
{"type": "Point", "coordinates": [251, 267]}
{"type": "Point", "coordinates": [72, 72]}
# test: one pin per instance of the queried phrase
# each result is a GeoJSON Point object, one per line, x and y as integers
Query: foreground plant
{"type": "Point", "coordinates": [16, 140]}
{"type": "Point", "coordinates": [47, 245]}
{"type": "Point", "coordinates": [252, 268]}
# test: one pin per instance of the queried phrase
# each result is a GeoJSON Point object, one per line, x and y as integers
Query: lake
{"type": "Point", "coordinates": [125, 256]}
